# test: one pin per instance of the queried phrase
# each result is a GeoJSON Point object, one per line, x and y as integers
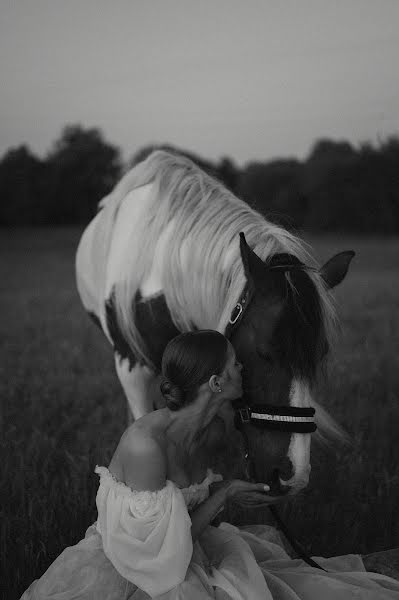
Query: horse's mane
{"type": "Point", "coordinates": [193, 226]}
{"type": "Point", "coordinates": [198, 221]}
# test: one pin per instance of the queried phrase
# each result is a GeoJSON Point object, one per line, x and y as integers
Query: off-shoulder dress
{"type": "Point", "coordinates": [141, 547]}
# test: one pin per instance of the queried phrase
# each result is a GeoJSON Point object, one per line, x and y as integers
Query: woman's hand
{"type": "Point", "coordinates": [245, 492]}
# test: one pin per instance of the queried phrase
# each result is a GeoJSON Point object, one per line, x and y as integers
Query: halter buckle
{"type": "Point", "coordinates": [234, 319]}
{"type": "Point", "coordinates": [245, 414]}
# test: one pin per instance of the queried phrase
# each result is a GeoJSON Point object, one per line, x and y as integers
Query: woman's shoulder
{"type": "Point", "coordinates": [142, 436]}
{"type": "Point", "coordinates": [140, 459]}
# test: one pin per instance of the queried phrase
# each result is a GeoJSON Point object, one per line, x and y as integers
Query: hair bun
{"type": "Point", "coordinates": [172, 393]}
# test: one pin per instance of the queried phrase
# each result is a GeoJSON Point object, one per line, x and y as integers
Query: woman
{"type": "Point", "coordinates": [153, 536]}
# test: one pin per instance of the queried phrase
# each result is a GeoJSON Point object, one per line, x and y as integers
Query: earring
{"type": "Point", "coordinates": [219, 391]}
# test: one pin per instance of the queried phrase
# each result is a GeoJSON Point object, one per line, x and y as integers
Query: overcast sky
{"type": "Point", "coordinates": [244, 78]}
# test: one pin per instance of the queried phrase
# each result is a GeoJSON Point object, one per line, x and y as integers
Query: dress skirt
{"type": "Point", "coordinates": [227, 563]}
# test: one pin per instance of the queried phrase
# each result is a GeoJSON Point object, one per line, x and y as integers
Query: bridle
{"type": "Point", "coordinates": [267, 416]}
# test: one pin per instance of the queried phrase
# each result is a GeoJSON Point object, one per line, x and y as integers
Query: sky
{"type": "Point", "coordinates": [252, 80]}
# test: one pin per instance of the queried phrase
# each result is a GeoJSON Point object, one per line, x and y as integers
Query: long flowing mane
{"type": "Point", "coordinates": [192, 227]}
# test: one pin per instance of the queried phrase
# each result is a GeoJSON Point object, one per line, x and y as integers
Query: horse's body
{"type": "Point", "coordinates": [163, 256]}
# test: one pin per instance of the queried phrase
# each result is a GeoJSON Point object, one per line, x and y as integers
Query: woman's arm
{"type": "Point", "coordinates": [146, 536]}
{"type": "Point", "coordinates": [202, 516]}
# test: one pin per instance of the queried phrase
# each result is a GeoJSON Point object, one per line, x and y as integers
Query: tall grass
{"type": "Point", "coordinates": [62, 410]}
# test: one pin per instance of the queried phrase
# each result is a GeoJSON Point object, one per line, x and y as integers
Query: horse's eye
{"type": "Point", "coordinates": [264, 355]}
{"type": "Point", "coordinates": [325, 348]}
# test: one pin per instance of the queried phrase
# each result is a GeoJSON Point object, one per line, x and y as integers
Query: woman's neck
{"type": "Point", "coordinates": [183, 426]}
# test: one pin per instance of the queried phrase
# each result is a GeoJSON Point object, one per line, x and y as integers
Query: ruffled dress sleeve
{"type": "Point", "coordinates": [146, 535]}
{"type": "Point", "coordinates": [197, 493]}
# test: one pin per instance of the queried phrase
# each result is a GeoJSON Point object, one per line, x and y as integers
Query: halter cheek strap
{"type": "Point", "coordinates": [279, 262]}
{"type": "Point", "coordinates": [240, 308]}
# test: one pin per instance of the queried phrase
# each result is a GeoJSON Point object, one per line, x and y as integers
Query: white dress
{"type": "Point", "coordinates": [141, 548]}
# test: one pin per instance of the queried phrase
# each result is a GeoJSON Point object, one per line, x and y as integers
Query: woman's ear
{"type": "Point", "coordinates": [214, 384]}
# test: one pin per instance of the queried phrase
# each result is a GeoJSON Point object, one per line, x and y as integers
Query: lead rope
{"type": "Point", "coordinates": [295, 545]}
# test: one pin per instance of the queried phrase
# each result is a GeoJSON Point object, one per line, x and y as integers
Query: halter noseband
{"type": "Point", "coordinates": [278, 418]}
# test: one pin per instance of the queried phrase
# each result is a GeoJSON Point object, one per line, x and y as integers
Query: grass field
{"type": "Point", "coordinates": [62, 410]}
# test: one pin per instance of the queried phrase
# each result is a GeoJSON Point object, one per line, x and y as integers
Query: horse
{"type": "Point", "coordinates": [171, 249]}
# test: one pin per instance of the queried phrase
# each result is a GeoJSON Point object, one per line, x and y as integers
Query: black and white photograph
{"type": "Point", "coordinates": [199, 331]}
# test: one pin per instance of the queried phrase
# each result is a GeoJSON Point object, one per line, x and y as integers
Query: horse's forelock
{"type": "Point", "coordinates": [303, 335]}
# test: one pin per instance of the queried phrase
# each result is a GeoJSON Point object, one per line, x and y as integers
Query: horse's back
{"type": "Point", "coordinates": [84, 268]}
{"type": "Point", "coordinates": [131, 214]}
{"type": "Point", "coordinates": [105, 246]}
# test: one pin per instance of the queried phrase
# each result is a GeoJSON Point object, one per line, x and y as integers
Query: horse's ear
{"type": "Point", "coordinates": [260, 274]}
{"type": "Point", "coordinates": [252, 263]}
{"type": "Point", "coordinates": [244, 250]}
{"type": "Point", "coordinates": [335, 269]}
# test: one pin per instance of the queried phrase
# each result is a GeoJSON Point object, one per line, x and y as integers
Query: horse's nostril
{"type": "Point", "coordinates": [286, 469]}
{"type": "Point", "coordinates": [276, 486]}
{"type": "Point", "coordinates": [275, 475]}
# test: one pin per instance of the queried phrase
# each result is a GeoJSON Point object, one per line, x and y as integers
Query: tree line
{"type": "Point", "coordinates": [338, 187]}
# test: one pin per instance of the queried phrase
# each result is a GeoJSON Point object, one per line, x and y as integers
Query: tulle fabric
{"type": "Point", "coordinates": [225, 563]}
{"type": "Point", "coordinates": [146, 535]}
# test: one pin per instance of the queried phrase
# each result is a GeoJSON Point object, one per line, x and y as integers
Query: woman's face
{"type": "Point", "coordinates": [230, 379]}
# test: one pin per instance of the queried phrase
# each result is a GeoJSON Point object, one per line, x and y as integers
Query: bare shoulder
{"type": "Point", "coordinates": [138, 438]}
{"type": "Point", "coordinates": [143, 460]}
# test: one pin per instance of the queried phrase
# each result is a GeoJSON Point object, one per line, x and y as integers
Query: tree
{"type": "Point", "coordinates": [274, 189]}
{"type": "Point", "coordinates": [353, 191]}
{"type": "Point", "coordinates": [21, 191]}
{"type": "Point", "coordinates": [329, 151]}
{"type": "Point", "coordinates": [83, 169]}
{"type": "Point", "coordinates": [228, 173]}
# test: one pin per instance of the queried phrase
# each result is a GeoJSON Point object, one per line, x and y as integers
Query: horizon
{"type": "Point", "coordinates": [252, 83]}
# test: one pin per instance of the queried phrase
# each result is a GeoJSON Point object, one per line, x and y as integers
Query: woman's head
{"type": "Point", "coordinates": [196, 359]}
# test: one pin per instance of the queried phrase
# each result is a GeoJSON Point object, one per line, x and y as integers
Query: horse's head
{"type": "Point", "coordinates": [282, 342]}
